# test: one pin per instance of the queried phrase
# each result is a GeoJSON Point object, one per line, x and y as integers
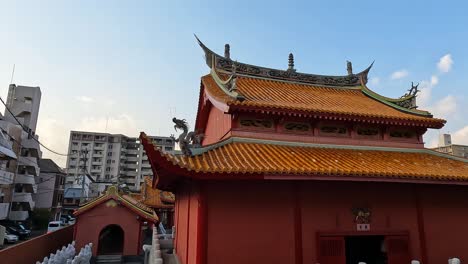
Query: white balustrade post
{"type": "Point", "coordinates": [415, 262]}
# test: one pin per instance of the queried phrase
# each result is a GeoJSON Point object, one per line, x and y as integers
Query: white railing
{"type": "Point", "coordinates": [66, 255]}
{"type": "Point", "coordinates": [450, 261]}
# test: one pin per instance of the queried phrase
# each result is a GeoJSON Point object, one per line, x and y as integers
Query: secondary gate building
{"type": "Point", "coordinates": [303, 168]}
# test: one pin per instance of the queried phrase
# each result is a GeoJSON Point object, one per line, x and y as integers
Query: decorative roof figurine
{"type": "Point", "coordinates": [349, 67]}
{"type": "Point", "coordinates": [186, 140]}
{"type": "Point", "coordinates": [227, 53]}
{"type": "Point", "coordinates": [291, 63]}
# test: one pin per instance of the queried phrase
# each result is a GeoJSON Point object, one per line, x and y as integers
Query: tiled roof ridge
{"type": "Point", "coordinates": [113, 193]}
{"type": "Point", "coordinates": [199, 151]}
{"type": "Point", "coordinates": [213, 60]}
{"type": "Point", "coordinates": [228, 102]}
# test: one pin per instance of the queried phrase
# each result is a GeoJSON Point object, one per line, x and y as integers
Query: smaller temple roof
{"type": "Point", "coordinates": [256, 159]}
{"type": "Point", "coordinates": [152, 197]}
{"type": "Point", "coordinates": [129, 202]}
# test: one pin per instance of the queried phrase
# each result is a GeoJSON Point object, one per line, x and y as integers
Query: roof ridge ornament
{"type": "Point", "coordinates": [291, 62]}
{"type": "Point", "coordinates": [349, 67]}
{"type": "Point", "coordinates": [227, 51]}
{"type": "Point", "coordinates": [224, 65]}
{"type": "Point", "coordinates": [186, 140]}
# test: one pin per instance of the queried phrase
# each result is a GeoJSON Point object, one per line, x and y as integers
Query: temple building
{"type": "Point", "coordinates": [160, 201]}
{"type": "Point", "coordinates": [288, 167]}
{"type": "Point", "coordinates": [115, 223]}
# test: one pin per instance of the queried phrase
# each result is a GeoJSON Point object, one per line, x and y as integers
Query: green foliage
{"type": "Point", "coordinates": [40, 218]}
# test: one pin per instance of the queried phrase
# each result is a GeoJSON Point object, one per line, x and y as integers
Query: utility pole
{"type": "Point", "coordinates": [84, 170]}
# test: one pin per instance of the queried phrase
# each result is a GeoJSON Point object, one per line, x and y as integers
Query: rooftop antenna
{"type": "Point", "coordinates": [107, 122]}
{"type": "Point", "coordinates": [12, 74]}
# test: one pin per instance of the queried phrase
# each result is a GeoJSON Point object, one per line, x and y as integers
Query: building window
{"type": "Point", "coordinates": [256, 123]}
{"type": "Point", "coordinates": [333, 130]}
{"type": "Point", "coordinates": [402, 134]}
{"type": "Point", "coordinates": [113, 161]}
{"type": "Point", "coordinates": [297, 127]}
{"type": "Point", "coordinates": [109, 154]}
{"type": "Point", "coordinates": [168, 148]}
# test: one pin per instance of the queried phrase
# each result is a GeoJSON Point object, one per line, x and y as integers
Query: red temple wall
{"type": "Point", "coordinates": [217, 126]}
{"type": "Point", "coordinates": [253, 222]}
{"type": "Point", "coordinates": [182, 205]}
{"type": "Point", "coordinates": [446, 222]}
{"type": "Point", "coordinates": [247, 223]}
{"type": "Point", "coordinates": [90, 224]}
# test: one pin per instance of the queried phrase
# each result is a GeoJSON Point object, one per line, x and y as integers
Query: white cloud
{"type": "Point", "coordinates": [374, 80]}
{"type": "Point", "coordinates": [425, 94]}
{"type": "Point", "coordinates": [121, 124]}
{"type": "Point", "coordinates": [444, 107]}
{"type": "Point", "coordinates": [399, 74]}
{"type": "Point", "coordinates": [53, 134]}
{"type": "Point", "coordinates": [461, 136]}
{"type": "Point", "coordinates": [445, 63]}
{"type": "Point", "coordinates": [84, 99]}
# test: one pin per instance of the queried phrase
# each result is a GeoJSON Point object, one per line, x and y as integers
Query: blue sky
{"type": "Point", "coordinates": [135, 64]}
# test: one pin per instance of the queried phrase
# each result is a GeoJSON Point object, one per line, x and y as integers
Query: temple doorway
{"type": "Point", "coordinates": [368, 249]}
{"type": "Point", "coordinates": [111, 240]}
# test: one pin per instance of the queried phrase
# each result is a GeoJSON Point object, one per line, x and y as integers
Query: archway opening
{"type": "Point", "coordinates": [111, 240]}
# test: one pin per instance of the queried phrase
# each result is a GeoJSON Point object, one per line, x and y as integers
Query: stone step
{"type": "Point", "coordinates": [110, 259]}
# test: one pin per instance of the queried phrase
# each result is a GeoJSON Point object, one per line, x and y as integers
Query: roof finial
{"type": "Point", "coordinates": [291, 62]}
{"type": "Point", "coordinates": [349, 67]}
{"type": "Point", "coordinates": [227, 53]}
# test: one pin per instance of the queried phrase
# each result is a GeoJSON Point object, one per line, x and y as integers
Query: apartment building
{"type": "Point", "coordinates": [446, 146]}
{"type": "Point", "coordinates": [23, 102]}
{"type": "Point", "coordinates": [110, 158]}
{"type": "Point", "coordinates": [50, 187]}
{"type": "Point", "coordinates": [8, 155]}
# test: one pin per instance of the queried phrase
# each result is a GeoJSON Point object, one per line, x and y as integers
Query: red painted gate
{"type": "Point", "coordinates": [332, 250]}
{"type": "Point", "coordinates": [397, 249]}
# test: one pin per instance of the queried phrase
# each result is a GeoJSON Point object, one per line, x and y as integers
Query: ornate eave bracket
{"type": "Point", "coordinates": [228, 86]}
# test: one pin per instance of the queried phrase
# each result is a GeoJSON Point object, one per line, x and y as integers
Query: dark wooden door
{"type": "Point", "coordinates": [332, 250]}
{"type": "Point", "coordinates": [397, 249]}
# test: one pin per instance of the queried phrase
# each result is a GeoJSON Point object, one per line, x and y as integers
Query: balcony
{"type": "Point", "coordinates": [98, 170]}
{"type": "Point", "coordinates": [6, 177]}
{"type": "Point", "coordinates": [129, 180]}
{"type": "Point", "coordinates": [4, 210]}
{"type": "Point", "coordinates": [29, 161]}
{"type": "Point", "coordinates": [96, 162]}
{"type": "Point", "coordinates": [24, 197]}
{"type": "Point", "coordinates": [30, 143]}
{"type": "Point", "coordinates": [25, 179]}
{"type": "Point", "coordinates": [97, 155]}
{"type": "Point", "coordinates": [99, 147]}
{"type": "Point", "coordinates": [131, 166]}
{"type": "Point", "coordinates": [18, 215]}
{"type": "Point", "coordinates": [130, 173]}
{"type": "Point", "coordinates": [131, 158]}
{"type": "Point", "coordinates": [133, 151]}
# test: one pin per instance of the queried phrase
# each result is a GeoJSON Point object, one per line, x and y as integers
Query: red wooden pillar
{"type": "Point", "coordinates": [297, 223]}
{"type": "Point", "coordinates": [202, 240]}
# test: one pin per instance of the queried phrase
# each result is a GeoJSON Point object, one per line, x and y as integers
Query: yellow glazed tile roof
{"type": "Point", "coordinates": [284, 96]}
{"type": "Point", "coordinates": [276, 159]}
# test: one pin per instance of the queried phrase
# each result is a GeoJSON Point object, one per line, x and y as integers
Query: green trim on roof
{"type": "Point", "coordinates": [199, 151]}
{"type": "Point", "coordinates": [389, 102]}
